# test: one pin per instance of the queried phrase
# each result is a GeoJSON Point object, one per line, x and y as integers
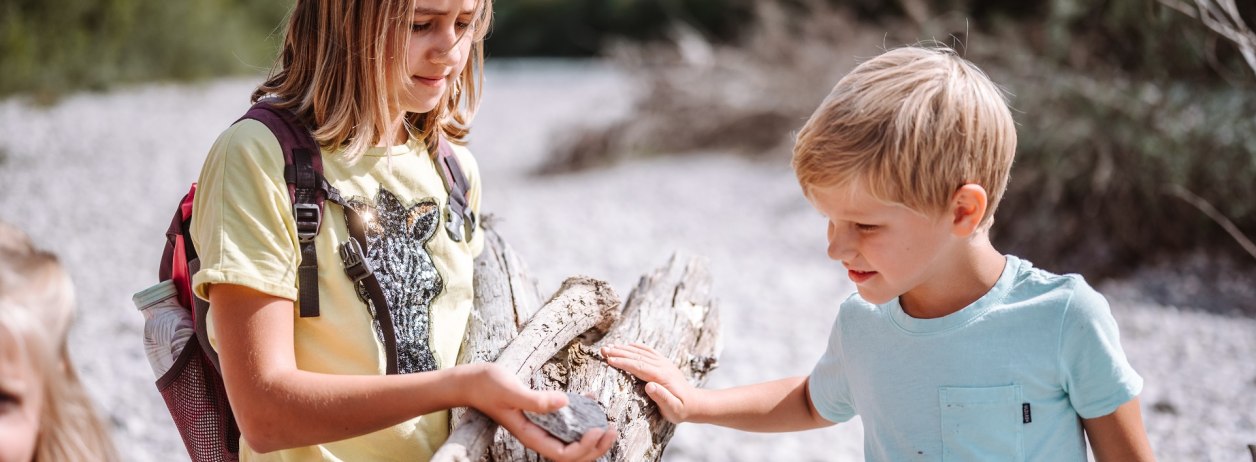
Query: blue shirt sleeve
{"type": "Point", "coordinates": [827, 386]}
{"type": "Point", "coordinates": [1096, 374]}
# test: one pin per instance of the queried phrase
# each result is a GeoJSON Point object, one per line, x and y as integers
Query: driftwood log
{"type": "Point", "coordinates": [671, 309]}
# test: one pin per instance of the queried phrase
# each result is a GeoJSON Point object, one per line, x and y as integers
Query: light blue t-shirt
{"type": "Point", "coordinates": [1007, 378]}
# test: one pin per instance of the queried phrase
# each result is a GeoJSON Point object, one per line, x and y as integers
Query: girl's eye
{"type": "Point", "coordinates": [865, 228]}
{"type": "Point", "coordinates": [8, 402]}
{"type": "Point", "coordinates": [420, 26]}
{"type": "Point", "coordinates": [462, 25]}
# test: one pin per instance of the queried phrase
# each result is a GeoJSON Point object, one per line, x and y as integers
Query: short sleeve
{"type": "Point", "coordinates": [828, 386]}
{"type": "Point", "coordinates": [1097, 376]}
{"type": "Point", "coordinates": [242, 225]}
{"type": "Point", "coordinates": [472, 170]}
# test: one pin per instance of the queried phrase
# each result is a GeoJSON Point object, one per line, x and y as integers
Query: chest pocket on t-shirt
{"type": "Point", "coordinates": [982, 423]}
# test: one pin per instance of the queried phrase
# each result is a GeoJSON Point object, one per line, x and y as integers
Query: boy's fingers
{"type": "Point", "coordinates": [645, 347]}
{"type": "Point", "coordinates": [635, 367]}
{"type": "Point", "coordinates": [663, 396]}
{"type": "Point", "coordinates": [642, 349]}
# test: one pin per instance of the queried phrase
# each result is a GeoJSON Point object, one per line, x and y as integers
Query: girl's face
{"type": "Point", "coordinates": [21, 402]}
{"type": "Point", "coordinates": [436, 50]}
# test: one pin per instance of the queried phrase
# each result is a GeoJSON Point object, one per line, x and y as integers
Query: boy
{"type": "Point", "coordinates": [949, 350]}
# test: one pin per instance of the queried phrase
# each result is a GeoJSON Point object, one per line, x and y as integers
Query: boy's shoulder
{"type": "Point", "coordinates": [1036, 283]}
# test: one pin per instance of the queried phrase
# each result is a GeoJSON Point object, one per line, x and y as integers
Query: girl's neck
{"type": "Point", "coordinates": [396, 135]}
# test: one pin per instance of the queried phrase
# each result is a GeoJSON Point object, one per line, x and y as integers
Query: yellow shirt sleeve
{"type": "Point", "coordinates": [242, 224]}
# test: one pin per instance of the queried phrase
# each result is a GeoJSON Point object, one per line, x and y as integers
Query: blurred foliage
{"type": "Point", "coordinates": [585, 28]}
{"type": "Point", "coordinates": [51, 46]}
{"type": "Point", "coordinates": [1116, 101]}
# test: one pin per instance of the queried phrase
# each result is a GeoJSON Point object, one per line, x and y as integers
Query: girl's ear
{"type": "Point", "coordinates": [968, 206]}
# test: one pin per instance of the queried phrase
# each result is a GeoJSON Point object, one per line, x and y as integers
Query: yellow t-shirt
{"type": "Point", "coordinates": [244, 233]}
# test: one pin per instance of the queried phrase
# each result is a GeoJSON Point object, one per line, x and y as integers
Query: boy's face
{"type": "Point", "coordinates": [887, 249]}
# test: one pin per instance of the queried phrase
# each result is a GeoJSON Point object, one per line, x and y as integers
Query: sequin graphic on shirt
{"type": "Point", "coordinates": [396, 248]}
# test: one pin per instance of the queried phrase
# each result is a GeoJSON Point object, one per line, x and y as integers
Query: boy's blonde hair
{"type": "Point", "coordinates": [337, 63]}
{"type": "Point", "coordinates": [913, 124]}
{"type": "Point", "coordinates": [36, 310]}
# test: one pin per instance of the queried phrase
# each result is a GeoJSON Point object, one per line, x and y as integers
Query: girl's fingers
{"type": "Point", "coordinates": [531, 435]}
{"type": "Point", "coordinates": [535, 401]}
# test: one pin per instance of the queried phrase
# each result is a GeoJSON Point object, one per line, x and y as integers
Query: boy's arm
{"type": "Point", "coordinates": [777, 406]}
{"type": "Point", "coordinates": [1119, 435]}
{"type": "Point", "coordinates": [279, 406]}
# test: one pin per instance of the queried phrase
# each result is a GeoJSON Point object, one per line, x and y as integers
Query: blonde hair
{"type": "Point", "coordinates": [36, 311]}
{"type": "Point", "coordinates": [914, 124]}
{"type": "Point", "coordinates": [336, 65]}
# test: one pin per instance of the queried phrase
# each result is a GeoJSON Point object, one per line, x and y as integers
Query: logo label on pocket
{"type": "Point", "coordinates": [1026, 416]}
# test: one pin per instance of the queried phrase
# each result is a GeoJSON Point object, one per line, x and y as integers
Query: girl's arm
{"type": "Point", "coordinates": [279, 406]}
{"type": "Point", "coordinates": [1119, 435]}
{"type": "Point", "coordinates": [777, 406]}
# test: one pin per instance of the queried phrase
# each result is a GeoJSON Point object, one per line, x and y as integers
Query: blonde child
{"type": "Point", "coordinates": [45, 414]}
{"type": "Point", "coordinates": [949, 350]}
{"type": "Point", "coordinates": [379, 82]}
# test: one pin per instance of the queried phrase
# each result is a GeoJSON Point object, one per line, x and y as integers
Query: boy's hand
{"type": "Point", "coordinates": [664, 382]}
{"type": "Point", "coordinates": [502, 397]}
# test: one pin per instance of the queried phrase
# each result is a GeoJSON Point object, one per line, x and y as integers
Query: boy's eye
{"type": "Point", "coordinates": [862, 227]}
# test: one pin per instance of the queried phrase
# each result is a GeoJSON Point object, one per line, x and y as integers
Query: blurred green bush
{"type": "Point", "coordinates": [585, 27]}
{"type": "Point", "coordinates": [1116, 103]}
{"type": "Point", "coordinates": [52, 46]}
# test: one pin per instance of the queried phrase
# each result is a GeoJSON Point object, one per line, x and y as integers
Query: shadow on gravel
{"type": "Point", "coordinates": [1218, 284]}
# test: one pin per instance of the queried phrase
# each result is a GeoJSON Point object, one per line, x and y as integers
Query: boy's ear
{"type": "Point", "coordinates": [968, 206]}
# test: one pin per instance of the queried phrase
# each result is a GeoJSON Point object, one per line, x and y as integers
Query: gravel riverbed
{"type": "Point", "coordinates": [96, 177]}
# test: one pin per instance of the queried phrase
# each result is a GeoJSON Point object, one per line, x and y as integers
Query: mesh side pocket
{"type": "Point", "coordinates": [197, 399]}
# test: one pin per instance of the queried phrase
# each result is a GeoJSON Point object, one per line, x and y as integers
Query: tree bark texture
{"type": "Point", "coordinates": [670, 309]}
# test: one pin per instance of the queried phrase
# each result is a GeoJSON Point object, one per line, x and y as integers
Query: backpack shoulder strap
{"type": "Point", "coordinates": [460, 220]}
{"type": "Point", "coordinates": [308, 189]}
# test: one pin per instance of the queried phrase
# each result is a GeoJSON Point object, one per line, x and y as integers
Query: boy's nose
{"type": "Point", "coordinates": [839, 245]}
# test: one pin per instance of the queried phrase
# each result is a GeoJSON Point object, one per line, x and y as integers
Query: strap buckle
{"type": "Point", "coordinates": [453, 224]}
{"type": "Point", "coordinates": [309, 219]}
{"type": "Point", "coordinates": [356, 265]}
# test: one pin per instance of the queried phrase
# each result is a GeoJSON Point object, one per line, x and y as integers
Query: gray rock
{"type": "Point", "coordinates": [580, 415]}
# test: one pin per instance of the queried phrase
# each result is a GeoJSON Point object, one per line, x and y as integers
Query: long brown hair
{"type": "Point", "coordinates": [335, 67]}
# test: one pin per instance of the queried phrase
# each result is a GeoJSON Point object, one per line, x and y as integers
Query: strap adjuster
{"type": "Point", "coordinates": [453, 224]}
{"type": "Point", "coordinates": [309, 219]}
{"type": "Point", "coordinates": [356, 265]}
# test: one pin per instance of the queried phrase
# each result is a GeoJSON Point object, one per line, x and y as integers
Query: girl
{"type": "Point", "coordinates": [379, 82]}
{"type": "Point", "coordinates": [45, 414]}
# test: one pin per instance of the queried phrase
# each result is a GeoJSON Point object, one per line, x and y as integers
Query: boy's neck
{"type": "Point", "coordinates": [957, 282]}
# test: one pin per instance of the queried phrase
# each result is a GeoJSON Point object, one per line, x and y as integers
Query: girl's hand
{"type": "Point", "coordinates": [664, 382]}
{"type": "Point", "coordinates": [502, 397]}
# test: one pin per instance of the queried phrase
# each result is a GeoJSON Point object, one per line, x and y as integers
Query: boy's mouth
{"type": "Point", "coordinates": [860, 276]}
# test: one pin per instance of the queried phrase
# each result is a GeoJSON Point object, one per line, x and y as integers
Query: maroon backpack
{"type": "Point", "coordinates": [193, 388]}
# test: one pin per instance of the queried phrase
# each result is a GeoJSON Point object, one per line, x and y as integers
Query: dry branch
{"type": "Point", "coordinates": [1222, 16]}
{"type": "Point", "coordinates": [670, 309]}
{"type": "Point", "coordinates": [579, 305]}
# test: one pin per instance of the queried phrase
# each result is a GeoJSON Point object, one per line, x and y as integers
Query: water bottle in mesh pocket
{"type": "Point", "coordinates": [197, 399]}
